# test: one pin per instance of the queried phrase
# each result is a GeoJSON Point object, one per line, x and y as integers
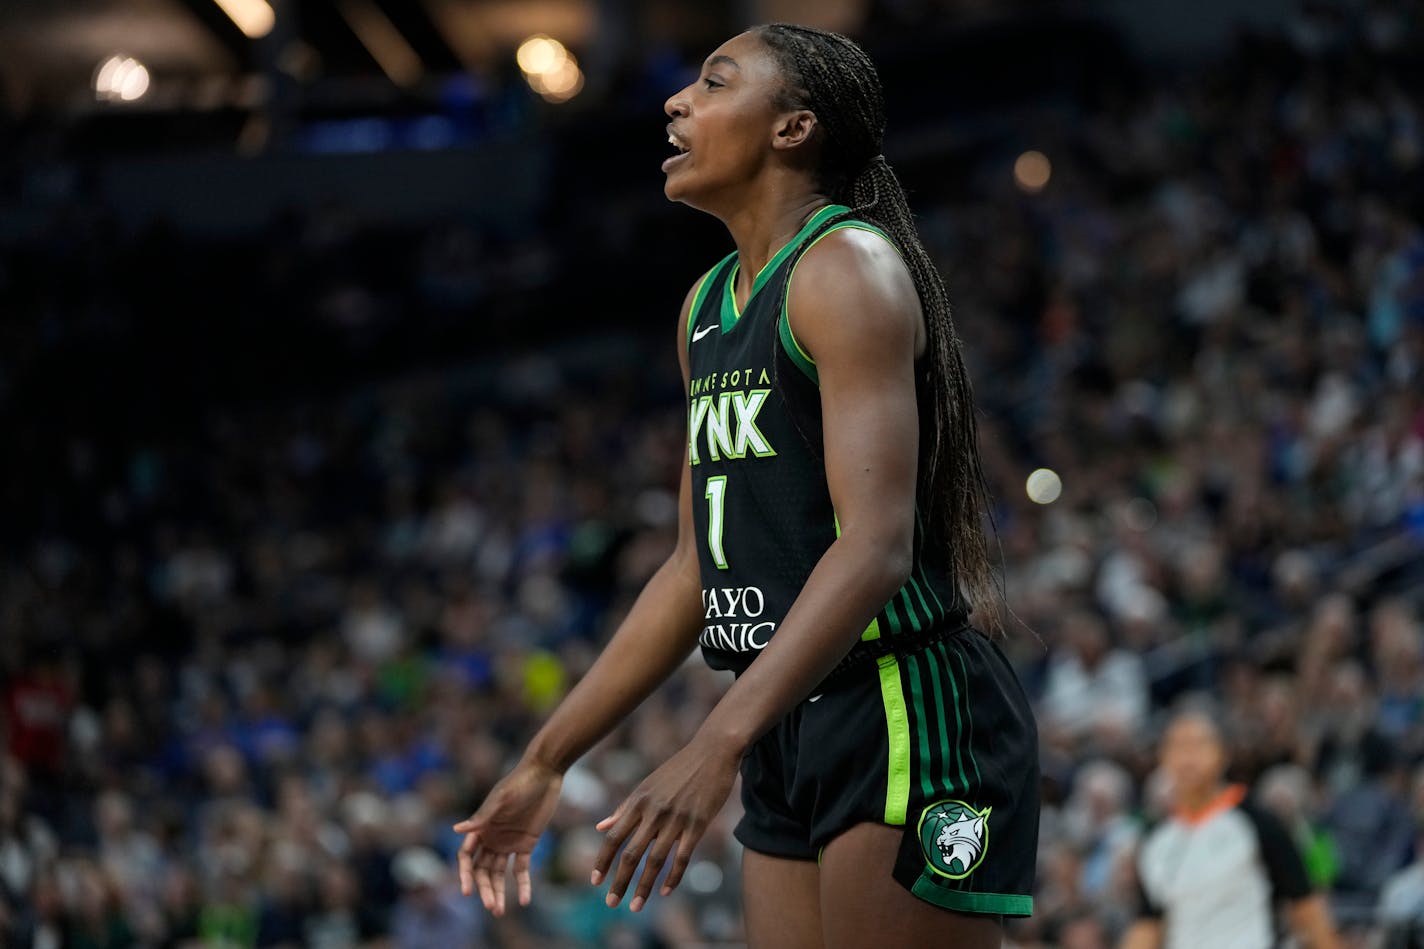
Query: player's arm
{"type": "Point", "coordinates": [654, 638]}
{"type": "Point", "coordinates": [659, 632]}
{"type": "Point", "coordinates": [854, 308]}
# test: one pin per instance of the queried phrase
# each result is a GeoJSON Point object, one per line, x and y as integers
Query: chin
{"type": "Point", "coordinates": [678, 188]}
{"type": "Point", "coordinates": [686, 189]}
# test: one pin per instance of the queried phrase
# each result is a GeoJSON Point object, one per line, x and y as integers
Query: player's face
{"type": "Point", "coordinates": [1192, 756]}
{"type": "Point", "coordinates": [723, 123]}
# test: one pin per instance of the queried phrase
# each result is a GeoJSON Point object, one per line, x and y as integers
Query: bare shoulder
{"type": "Point", "coordinates": [850, 284]}
{"type": "Point", "coordinates": [683, 316]}
{"type": "Point", "coordinates": [687, 301]}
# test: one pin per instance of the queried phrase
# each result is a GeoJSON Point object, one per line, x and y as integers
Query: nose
{"type": "Point", "coordinates": [676, 105]}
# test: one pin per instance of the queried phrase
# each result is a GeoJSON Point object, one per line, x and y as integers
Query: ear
{"type": "Point", "coordinates": [794, 129]}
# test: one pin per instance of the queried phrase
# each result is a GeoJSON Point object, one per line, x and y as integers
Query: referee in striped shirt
{"type": "Point", "coordinates": [1216, 871]}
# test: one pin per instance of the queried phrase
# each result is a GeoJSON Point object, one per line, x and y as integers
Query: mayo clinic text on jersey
{"type": "Point", "coordinates": [737, 611]}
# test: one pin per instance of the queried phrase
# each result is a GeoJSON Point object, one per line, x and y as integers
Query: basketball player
{"type": "Point", "coordinates": [829, 546]}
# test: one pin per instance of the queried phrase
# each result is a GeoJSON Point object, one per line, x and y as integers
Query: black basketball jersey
{"type": "Point", "coordinates": [761, 505]}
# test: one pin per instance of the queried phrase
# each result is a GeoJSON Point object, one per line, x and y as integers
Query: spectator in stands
{"type": "Point", "coordinates": [1092, 686]}
{"type": "Point", "coordinates": [430, 912]}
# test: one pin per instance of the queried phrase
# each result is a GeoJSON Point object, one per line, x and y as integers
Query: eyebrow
{"type": "Point", "coordinates": [720, 59]}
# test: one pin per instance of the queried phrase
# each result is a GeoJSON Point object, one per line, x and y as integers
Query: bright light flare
{"type": "Point", "coordinates": [549, 68]}
{"type": "Point", "coordinates": [561, 84]}
{"type": "Point", "coordinates": [540, 55]}
{"type": "Point", "coordinates": [254, 18]}
{"type": "Point", "coordinates": [120, 79]}
{"type": "Point", "coordinates": [1032, 170]}
{"type": "Point", "coordinates": [1044, 486]}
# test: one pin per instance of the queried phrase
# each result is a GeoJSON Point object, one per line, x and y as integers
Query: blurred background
{"type": "Point", "coordinates": [342, 422]}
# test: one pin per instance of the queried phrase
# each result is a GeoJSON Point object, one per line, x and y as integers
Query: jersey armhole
{"type": "Point", "coordinates": [794, 350]}
{"type": "Point", "coordinates": [699, 296]}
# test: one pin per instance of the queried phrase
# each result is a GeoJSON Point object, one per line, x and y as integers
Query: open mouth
{"type": "Point", "coordinates": [681, 149]}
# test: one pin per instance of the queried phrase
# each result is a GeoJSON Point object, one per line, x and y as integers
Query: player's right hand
{"type": "Point", "coordinates": [506, 827]}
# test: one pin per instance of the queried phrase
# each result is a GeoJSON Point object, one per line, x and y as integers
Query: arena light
{"type": "Point", "coordinates": [561, 84]}
{"type": "Point", "coordinates": [540, 55]}
{"type": "Point", "coordinates": [396, 57]}
{"type": "Point", "coordinates": [549, 68]}
{"type": "Point", "coordinates": [1044, 486]}
{"type": "Point", "coordinates": [1032, 170]}
{"type": "Point", "coordinates": [255, 18]}
{"type": "Point", "coordinates": [120, 79]}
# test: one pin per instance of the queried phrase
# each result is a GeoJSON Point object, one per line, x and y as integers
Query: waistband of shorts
{"type": "Point", "coordinates": [864, 655]}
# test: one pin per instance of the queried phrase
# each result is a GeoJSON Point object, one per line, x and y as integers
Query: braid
{"type": "Point", "coordinates": [833, 77]}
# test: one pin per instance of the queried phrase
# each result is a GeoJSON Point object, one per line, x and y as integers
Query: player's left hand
{"type": "Point", "coordinates": [671, 808]}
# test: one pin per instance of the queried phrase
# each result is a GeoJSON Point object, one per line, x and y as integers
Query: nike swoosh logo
{"type": "Point", "coordinates": [698, 334]}
{"type": "Point", "coordinates": [815, 698]}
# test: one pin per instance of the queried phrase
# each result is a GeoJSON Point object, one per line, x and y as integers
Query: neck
{"type": "Point", "coordinates": [1191, 802]}
{"type": "Point", "coordinates": [762, 226]}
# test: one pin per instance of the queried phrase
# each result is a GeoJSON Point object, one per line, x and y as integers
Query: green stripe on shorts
{"type": "Point", "coordinates": [973, 758]}
{"type": "Point", "coordinates": [917, 699]}
{"type": "Point", "coordinates": [946, 750]}
{"type": "Point", "coordinates": [897, 725]}
{"type": "Point", "coordinates": [958, 722]}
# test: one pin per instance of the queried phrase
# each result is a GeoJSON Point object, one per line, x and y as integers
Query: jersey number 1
{"type": "Point", "coordinates": [716, 504]}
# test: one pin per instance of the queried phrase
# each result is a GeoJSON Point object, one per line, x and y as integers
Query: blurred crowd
{"type": "Point", "coordinates": [255, 665]}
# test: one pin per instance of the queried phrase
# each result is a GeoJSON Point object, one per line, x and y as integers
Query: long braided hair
{"type": "Point", "coordinates": [828, 74]}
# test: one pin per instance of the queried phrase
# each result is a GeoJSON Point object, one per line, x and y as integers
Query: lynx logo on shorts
{"type": "Point", "coordinates": [954, 838]}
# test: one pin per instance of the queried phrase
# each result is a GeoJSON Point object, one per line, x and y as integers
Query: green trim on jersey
{"type": "Point", "coordinates": [897, 724]}
{"type": "Point", "coordinates": [698, 295]}
{"type": "Point", "coordinates": [731, 312]}
{"type": "Point", "coordinates": [789, 342]}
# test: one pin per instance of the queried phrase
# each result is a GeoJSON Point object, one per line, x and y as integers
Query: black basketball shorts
{"type": "Point", "coordinates": [940, 742]}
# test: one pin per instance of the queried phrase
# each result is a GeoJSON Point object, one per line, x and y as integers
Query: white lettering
{"type": "Point", "coordinates": [719, 427]}
{"type": "Point", "coordinates": [737, 637]}
{"type": "Point", "coordinates": [747, 405]}
{"type": "Point", "coordinates": [747, 601]}
{"type": "Point", "coordinates": [696, 414]}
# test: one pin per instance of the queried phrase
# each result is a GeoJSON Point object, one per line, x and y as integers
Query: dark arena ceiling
{"type": "Point", "coordinates": [96, 77]}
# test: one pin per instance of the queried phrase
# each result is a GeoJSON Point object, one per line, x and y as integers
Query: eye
{"type": "Point", "coordinates": [712, 83]}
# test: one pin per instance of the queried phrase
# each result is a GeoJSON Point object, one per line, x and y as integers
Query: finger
{"type": "Point", "coordinates": [485, 887]}
{"type": "Point", "coordinates": [612, 842]}
{"type": "Point", "coordinates": [612, 819]}
{"type": "Point", "coordinates": [521, 878]}
{"type": "Point", "coordinates": [484, 882]}
{"type": "Point", "coordinates": [657, 857]}
{"type": "Point", "coordinates": [464, 860]}
{"type": "Point", "coordinates": [628, 862]}
{"type": "Point", "coordinates": [501, 885]}
{"type": "Point", "coordinates": [685, 845]}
